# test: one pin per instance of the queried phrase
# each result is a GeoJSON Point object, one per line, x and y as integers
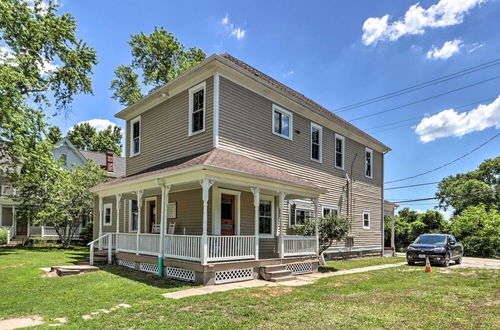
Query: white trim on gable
{"type": "Point", "coordinates": [71, 146]}
{"type": "Point", "coordinates": [192, 90]}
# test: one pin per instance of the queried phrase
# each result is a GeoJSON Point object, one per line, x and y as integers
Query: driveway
{"type": "Point", "coordinates": [472, 262]}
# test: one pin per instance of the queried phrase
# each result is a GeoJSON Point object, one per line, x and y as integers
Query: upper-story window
{"type": "Point", "coordinates": [316, 142]}
{"type": "Point", "coordinates": [135, 136]}
{"type": "Point", "coordinates": [64, 159]}
{"type": "Point", "coordinates": [369, 163]}
{"type": "Point", "coordinates": [197, 109]}
{"type": "Point", "coordinates": [339, 151]}
{"type": "Point", "coordinates": [282, 122]}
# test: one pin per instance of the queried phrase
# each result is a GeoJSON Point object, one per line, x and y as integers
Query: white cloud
{"type": "Point", "coordinates": [450, 123]}
{"type": "Point", "coordinates": [289, 74]}
{"type": "Point", "coordinates": [448, 49]}
{"type": "Point", "coordinates": [235, 31]}
{"type": "Point", "coordinates": [7, 56]}
{"type": "Point", "coordinates": [475, 46]}
{"type": "Point", "coordinates": [416, 20]}
{"type": "Point", "coordinates": [99, 124]}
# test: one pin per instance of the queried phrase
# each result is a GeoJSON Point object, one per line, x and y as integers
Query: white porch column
{"type": "Point", "coordinates": [205, 184]}
{"type": "Point", "coordinates": [165, 189]}
{"type": "Point", "coordinates": [316, 226]}
{"type": "Point", "coordinates": [118, 207]}
{"type": "Point", "coordinates": [139, 207]}
{"type": "Point", "coordinates": [282, 230]}
{"type": "Point", "coordinates": [14, 219]}
{"type": "Point", "coordinates": [101, 216]}
{"type": "Point", "coordinates": [256, 203]}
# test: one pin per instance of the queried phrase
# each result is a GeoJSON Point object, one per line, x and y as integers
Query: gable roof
{"type": "Point", "coordinates": [217, 159]}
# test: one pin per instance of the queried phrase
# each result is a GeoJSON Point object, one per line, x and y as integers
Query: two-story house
{"type": "Point", "coordinates": [69, 156]}
{"type": "Point", "coordinates": [220, 163]}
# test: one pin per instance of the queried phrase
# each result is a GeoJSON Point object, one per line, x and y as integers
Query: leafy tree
{"type": "Point", "coordinates": [159, 57]}
{"type": "Point", "coordinates": [34, 36]}
{"type": "Point", "coordinates": [85, 137]}
{"type": "Point", "coordinates": [54, 134]}
{"type": "Point", "coordinates": [478, 229]}
{"type": "Point", "coordinates": [331, 228]}
{"type": "Point", "coordinates": [481, 186]}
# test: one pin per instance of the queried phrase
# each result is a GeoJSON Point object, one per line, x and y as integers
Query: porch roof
{"type": "Point", "coordinates": [215, 159]}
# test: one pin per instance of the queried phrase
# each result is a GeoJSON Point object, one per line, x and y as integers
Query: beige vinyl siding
{"type": "Point", "coordinates": [164, 132]}
{"type": "Point", "coordinates": [245, 127]}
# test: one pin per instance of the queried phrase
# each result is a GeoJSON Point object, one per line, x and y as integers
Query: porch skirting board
{"type": "Point", "coordinates": [213, 273]}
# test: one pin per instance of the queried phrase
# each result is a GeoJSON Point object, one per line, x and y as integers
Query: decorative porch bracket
{"type": "Point", "coordinates": [205, 184]}
{"type": "Point", "coordinates": [256, 203]}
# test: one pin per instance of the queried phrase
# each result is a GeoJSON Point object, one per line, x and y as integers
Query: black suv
{"type": "Point", "coordinates": [439, 248]}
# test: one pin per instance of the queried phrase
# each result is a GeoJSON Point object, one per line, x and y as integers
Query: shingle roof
{"type": "Point", "coordinates": [100, 160]}
{"type": "Point", "coordinates": [294, 94]}
{"type": "Point", "coordinates": [220, 159]}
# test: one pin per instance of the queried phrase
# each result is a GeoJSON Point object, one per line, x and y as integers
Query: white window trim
{"type": "Point", "coordinates": [130, 218]}
{"type": "Point", "coordinates": [131, 143]}
{"type": "Point", "coordinates": [216, 200]}
{"type": "Point", "coordinates": [268, 198]}
{"type": "Point", "coordinates": [192, 90]}
{"type": "Point", "coordinates": [146, 210]}
{"type": "Point", "coordinates": [371, 159]}
{"type": "Point", "coordinates": [340, 137]}
{"type": "Point", "coordinates": [330, 207]}
{"type": "Point", "coordinates": [300, 204]}
{"type": "Point", "coordinates": [277, 108]}
{"type": "Point", "coordinates": [105, 207]}
{"type": "Point", "coordinates": [320, 129]}
{"type": "Point", "coordinates": [369, 220]}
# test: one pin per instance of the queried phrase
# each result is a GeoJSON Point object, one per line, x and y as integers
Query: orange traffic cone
{"type": "Point", "coordinates": [428, 267]}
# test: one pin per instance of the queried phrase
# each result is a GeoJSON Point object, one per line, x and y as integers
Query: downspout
{"type": "Point", "coordinates": [382, 225]}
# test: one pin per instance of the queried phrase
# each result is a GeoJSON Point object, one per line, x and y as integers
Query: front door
{"type": "Point", "coordinates": [152, 216]}
{"type": "Point", "coordinates": [227, 217]}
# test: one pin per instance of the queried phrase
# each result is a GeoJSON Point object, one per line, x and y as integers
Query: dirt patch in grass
{"type": "Point", "coordinates": [28, 321]}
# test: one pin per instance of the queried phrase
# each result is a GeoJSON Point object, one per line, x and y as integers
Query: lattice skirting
{"type": "Point", "coordinates": [126, 263]}
{"type": "Point", "coordinates": [180, 274]}
{"type": "Point", "coordinates": [149, 268]}
{"type": "Point", "coordinates": [300, 267]}
{"type": "Point", "coordinates": [233, 275]}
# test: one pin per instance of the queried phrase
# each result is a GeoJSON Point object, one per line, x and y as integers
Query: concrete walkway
{"type": "Point", "coordinates": [300, 280]}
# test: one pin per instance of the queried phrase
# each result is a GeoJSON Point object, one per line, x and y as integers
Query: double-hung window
{"type": "Point", "coordinates": [369, 163]}
{"type": "Point", "coordinates": [135, 136]}
{"type": "Point", "coordinates": [266, 210]}
{"type": "Point", "coordinates": [299, 215]}
{"type": "Point", "coordinates": [108, 214]}
{"type": "Point", "coordinates": [366, 220]}
{"type": "Point", "coordinates": [134, 216]}
{"type": "Point", "coordinates": [327, 210]}
{"type": "Point", "coordinates": [339, 151]}
{"type": "Point", "coordinates": [282, 122]}
{"type": "Point", "coordinates": [197, 109]}
{"type": "Point", "coordinates": [316, 142]}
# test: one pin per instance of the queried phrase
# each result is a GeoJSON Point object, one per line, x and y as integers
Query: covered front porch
{"type": "Point", "coordinates": [203, 216]}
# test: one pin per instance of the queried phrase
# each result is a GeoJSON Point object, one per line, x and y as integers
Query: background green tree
{"type": "Point", "coordinates": [158, 58]}
{"type": "Point", "coordinates": [86, 137]}
{"type": "Point", "coordinates": [54, 135]}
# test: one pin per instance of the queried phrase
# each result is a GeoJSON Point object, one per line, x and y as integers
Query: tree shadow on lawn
{"type": "Point", "coordinates": [145, 278]}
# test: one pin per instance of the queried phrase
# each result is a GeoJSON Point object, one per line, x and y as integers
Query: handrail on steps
{"type": "Point", "coordinates": [98, 240]}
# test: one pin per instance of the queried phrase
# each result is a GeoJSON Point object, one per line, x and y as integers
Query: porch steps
{"type": "Point", "coordinates": [276, 273]}
{"type": "Point", "coordinates": [100, 258]}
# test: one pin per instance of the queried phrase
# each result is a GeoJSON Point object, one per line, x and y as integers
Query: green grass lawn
{"type": "Point", "coordinates": [401, 297]}
{"type": "Point", "coordinates": [332, 266]}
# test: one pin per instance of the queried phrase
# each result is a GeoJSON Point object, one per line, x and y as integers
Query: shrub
{"type": "Point", "coordinates": [87, 233]}
{"type": "Point", "coordinates": [3, 235]}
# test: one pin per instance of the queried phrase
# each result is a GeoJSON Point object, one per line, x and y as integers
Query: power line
{"type": "Point", "coordinates": [413, 185]}
{"type": "Point", "coordinates": [419, 86]}
{"type": "Point", "coordinates": [431, 114]}
{"type": "Point", "coordinates": [447, 164]}
{"type": "Point", "coordinates": [425, 99]}
{"type": "Point", "coordinates": [414, 200]}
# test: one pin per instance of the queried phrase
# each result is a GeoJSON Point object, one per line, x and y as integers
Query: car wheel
{"type": "Point", "coordinates": [459, 260]}
{"type": "Point", "coordinates": [446, 262]}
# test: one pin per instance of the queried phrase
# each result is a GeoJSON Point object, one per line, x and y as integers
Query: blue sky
{"type": "Point", "coordinates": [337, 53]}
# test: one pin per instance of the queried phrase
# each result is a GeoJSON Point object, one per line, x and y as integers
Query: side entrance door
{"type": "Point", "coordinates": [227, 214]}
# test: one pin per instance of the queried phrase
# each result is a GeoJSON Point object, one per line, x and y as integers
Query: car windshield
{"type": "Point", "coordinates": [431, 239]}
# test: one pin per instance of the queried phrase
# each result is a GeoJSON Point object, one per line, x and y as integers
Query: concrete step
{"type": "Point", "coordinates": [283, 279]}
{"type": "Point", "coordinates": [272, 268]}
{"type": "Point", "coordinates": [279, 273]}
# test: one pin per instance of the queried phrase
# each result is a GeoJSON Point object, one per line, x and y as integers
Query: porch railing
{"type": "Point", "coordinates": [149, 244]}
{"type": "Point", "coordinates": [299, 245]}
{"type": "Point", "coordinates": [230, 248]}
{"type": "Point", "coordinates": [187, 247]}
{"type": "Point", "coordinates": [50, 231]}
{"type": "Point", "coordinates": [126, 242]}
